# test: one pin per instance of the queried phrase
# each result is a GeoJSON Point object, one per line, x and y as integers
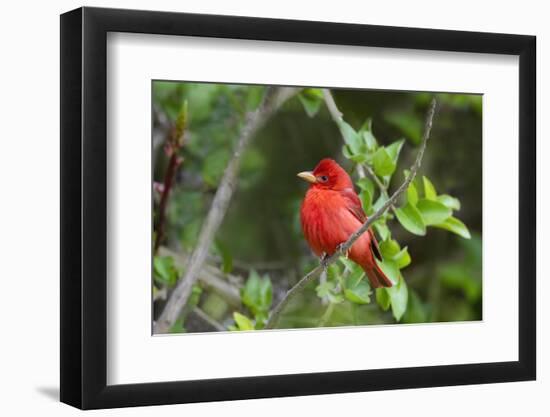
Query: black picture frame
{"type": "Point", "coordinates": [84, 207]}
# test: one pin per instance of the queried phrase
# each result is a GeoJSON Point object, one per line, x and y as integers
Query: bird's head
{"type": "Point", "coordinates": [327, 175]}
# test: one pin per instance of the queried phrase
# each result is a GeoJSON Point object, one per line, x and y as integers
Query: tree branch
{"type": "Point", "coordinates": [343, 248]}
{"type": "Point", "coordinates": [208, 320]}
{"type": "Point", "coordinates": [210, 277]}
{"type": "Point", "coordinates": [272, 101]}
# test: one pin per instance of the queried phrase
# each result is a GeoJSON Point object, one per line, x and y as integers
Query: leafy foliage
{"type": "Point", "coordinates": [430, 284]}
{"type": "Point", "coordinates": [257, 295]}
{"type": "Point", "coordinates": [165, 272]}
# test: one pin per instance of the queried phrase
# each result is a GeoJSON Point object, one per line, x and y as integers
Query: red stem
{"type": "Point", "coordinates": [168, 182]}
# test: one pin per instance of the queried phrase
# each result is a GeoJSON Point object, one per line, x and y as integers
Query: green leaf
{"type": "Point", "coordinates": [324, 288]}
{"type": "Point", "coordinates": [449, 201]}
{"type": "Point", "coordinates": [250, 293]}
{"type": "Point", "coordinates": [243, 322]}
{"type": "Point", "coordinates": [311, 101]}
{"type": "Point", "coordinates": [394, 149]}
{"type": "Point", "coordinates": [389, 248]}
{"type": "Point", "coordinates": [392, 251]}
{"type": "Point", "coordinates": [367, 193]}
{"type": "Point", "coordinates": [399, 297]}
{"type": "Point", "coordinates": [452, 224]}
{"type": "Point", "coordinates": [314, 92]}
{"type": "Point", "coordinates": [382, 229]}
{"type": "Point", "coordinates": [367, 125]}
{"type": "Point", "coordinates": [346, 151]}
{"type": "Point", "coordinates": [257, 293]}
{"type": "Point", "coordinates": [333, 271]}
{"type": "Point", "coordinates": [412, 194]}
{"type": "Point", "coordinates": [411, 219]}
{"type": "Point", "coordinates": [360, 294]}
{"type": "Point", "coordinates": [370, 140]}
{"type": "Point", "coordinates": [356, 289]}
{"type": "Point", "coordinates": [350, 136]}
{"type": "Point", "coordinates": [266, 293]}
{"type": "Point", "coordinates": [402, 258]}
{"type": "Point", "coordinates": [383, 299]}
{"type": "Point", "coordinates": [348, 263]}
{"type": "Point", "coordinates": [390, 269]}
{"type": "Point", "coordinates": [162, 267]}
{"type": "Point", "coordinates": [433, 212]}
{"type": "Point", "coordinates": [227, 259]}
{"type": "Point", "coordinates": [383, 163]}
{"type": "Point", "coordinates": [429, 189]}
{"type": "Point", "coordinates": [366, 199]}
{"type": "Point", "coordinates": [366, 184]}
{"type": "Point", "coordinates": [360, 158]}
{"type": "Point", "coordinates": [327, 289]}
{"type": "Point", "coordinates": [164, 270]}
{"type": "Point", "coordinates": [355, 277]}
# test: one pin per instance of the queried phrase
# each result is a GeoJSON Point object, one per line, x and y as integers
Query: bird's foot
{"type": "Point", "coordinates": [341, 250]}
{"type": "Point", "coordinates": [324, 260]}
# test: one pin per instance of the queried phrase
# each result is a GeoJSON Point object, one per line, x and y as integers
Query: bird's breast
{"type": "Point", "coordinates": [326, 220]}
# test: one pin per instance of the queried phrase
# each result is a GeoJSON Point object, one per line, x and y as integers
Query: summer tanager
{"type": "Point", "coordinates": [331, 212]}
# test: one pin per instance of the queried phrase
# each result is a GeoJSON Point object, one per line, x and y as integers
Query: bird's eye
{"type": "Point", "coordinates": [323, 178]}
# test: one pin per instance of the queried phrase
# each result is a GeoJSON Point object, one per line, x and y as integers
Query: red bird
{"type": "Point", "coordinates": [331, 212]}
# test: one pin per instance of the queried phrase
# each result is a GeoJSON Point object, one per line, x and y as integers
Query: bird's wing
{"type": "Point", "coordinates": [374, 245]}
{"type": "Point", "coordinates": [353, 204]}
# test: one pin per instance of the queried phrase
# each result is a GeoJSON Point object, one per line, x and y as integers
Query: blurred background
{"type": "Point", "coordinates": [259, 251]}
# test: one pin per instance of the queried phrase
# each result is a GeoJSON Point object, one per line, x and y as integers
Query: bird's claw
{"type": "Point", "coordinates": [339, 249]}
{"type": "Point", "coordinates": [324, 260]}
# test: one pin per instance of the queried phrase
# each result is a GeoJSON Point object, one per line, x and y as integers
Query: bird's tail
{"type": "Point", "coordinates": [377, 277]}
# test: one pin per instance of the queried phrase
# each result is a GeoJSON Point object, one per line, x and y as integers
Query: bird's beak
{"type": "Point", "coordinates": [307, 176]}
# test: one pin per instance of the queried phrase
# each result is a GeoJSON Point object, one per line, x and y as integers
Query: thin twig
{"type": "Point", "coordinates": [272, 101]}
{"type": "Point", "coordinates": [383, 188]}
{"type": "Point", "coordinates": [343, 248]}
{"type": "Point", "coordinates": [326, 316]}
{"type": "Point", "coordinates": [210, 277]}
{"type": "Point", "coordinates": [335, 113]}
{"type": "Point", "coordinates": [338, 117]}
{"type": "Point", "coordinates": [375, 178]}
{"type": "Point", "coordinates": [260, 265]}
{"type": "Point", "coordinates": [201, 314]}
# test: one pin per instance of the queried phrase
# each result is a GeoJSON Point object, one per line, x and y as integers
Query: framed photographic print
{"type": "Point", "coordinates": [259, 208]}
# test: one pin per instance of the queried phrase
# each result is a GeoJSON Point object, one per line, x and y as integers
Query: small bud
{"type": "Point", "coordinates": [158, 187]}
{"type": "Point", "coordinates": [168, 150]}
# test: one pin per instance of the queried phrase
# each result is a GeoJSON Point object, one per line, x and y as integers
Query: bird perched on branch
{"type": "Point", "coordinates": [331, 212]}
